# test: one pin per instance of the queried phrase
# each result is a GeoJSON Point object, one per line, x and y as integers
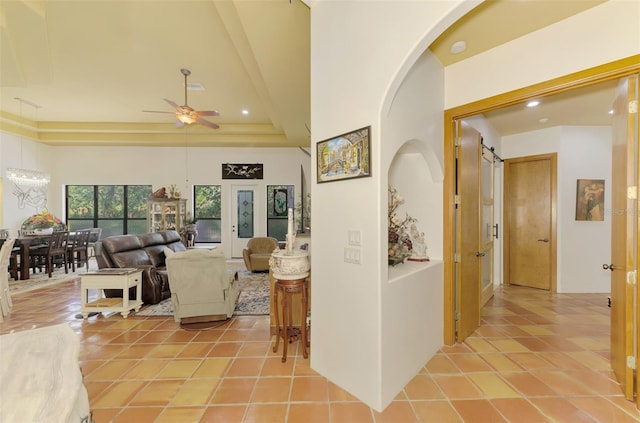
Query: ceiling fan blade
{"type": "Point", "coordinates": [158, 111]}
{"type": "Point", "coordinates": [174, 105]}
{"type": "Point", "coordinates": [208, 113]}
{"type": "Point", "coordinates": [207, 123]}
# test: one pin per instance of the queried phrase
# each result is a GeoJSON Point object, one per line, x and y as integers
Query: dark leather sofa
{"type": "Point", "coordinates": [146, 252]}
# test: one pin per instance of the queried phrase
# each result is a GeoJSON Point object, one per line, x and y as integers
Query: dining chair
{"type": "Point", "coordinates": [94, 237]}
{"type": "Point", "coordinates": [57, 247]}
{"type": "Point", "coordinates": [78, 249]}
{"type": "Point", "coordinates": [5, 295]}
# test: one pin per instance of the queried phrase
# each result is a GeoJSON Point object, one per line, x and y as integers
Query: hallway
{"type": "Point", "coordinates": [537, 357]}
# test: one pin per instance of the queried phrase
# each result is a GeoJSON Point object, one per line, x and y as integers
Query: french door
{"type": "Point", "coordinates": [468, 254]}
{"type": "Point", "coordinates": [624, 236]}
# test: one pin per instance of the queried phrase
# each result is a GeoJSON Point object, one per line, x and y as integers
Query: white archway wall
{"type": "Point", "coordinates": [411, 295]}
{"type": "Point", "coordinates": [352, 88]}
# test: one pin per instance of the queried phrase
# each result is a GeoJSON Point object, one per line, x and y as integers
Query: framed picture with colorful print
{"type": "Point", "coordinates": [345, 156]}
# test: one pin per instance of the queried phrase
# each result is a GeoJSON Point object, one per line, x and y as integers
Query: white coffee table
{"type": "Point", "coordinates": [123, 279]}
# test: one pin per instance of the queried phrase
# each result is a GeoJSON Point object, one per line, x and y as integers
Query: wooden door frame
{"type": "Point", "coordinates": [591, 76]}
{"type": "Point", "coordinates": [553, 174]}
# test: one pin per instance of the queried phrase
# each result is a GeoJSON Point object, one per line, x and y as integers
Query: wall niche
{"type": "Point", "coordinates": [416, 174]}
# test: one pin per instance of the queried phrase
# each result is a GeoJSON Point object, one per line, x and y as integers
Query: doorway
{"type": "Point", "coordinates": [625, 319]}
{"type": "Point", "coordinates": [530, 185]}
{"type": "Point", "coordinates": [607, 72]}
{"type": "Point", "coordinates": [244, 203]}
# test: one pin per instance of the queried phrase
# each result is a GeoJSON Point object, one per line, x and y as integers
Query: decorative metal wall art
{"type": "Point", "coordinates": [242, 171]}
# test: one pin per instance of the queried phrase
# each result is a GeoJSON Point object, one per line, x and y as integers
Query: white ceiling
{"type": "Point", "coordinates": [103, 62]}
{"type": "Point", "coordinates": [92, 67]}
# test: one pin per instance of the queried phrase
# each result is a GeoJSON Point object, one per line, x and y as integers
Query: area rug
{"type": "Point", "coordinates": [41, 279]}
{"type": "Point", "coordinates": [253, 300]}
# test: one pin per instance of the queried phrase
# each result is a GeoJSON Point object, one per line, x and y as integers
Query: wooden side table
{"type": "Point", "coordinates": [123, 279]}
{"type": "Point", "coordinates": [288, 332]}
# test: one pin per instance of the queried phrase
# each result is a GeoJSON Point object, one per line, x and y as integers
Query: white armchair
{"type": "Point", "coordinates": [202, 288]}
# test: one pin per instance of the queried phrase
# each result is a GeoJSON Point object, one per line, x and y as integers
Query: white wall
{"type": "Point", "coordinates": [411, 294]}
{"type": "Point", "coordinates": [22, 153]}
{"type": "Point", "coordinates": [584, 152]}
{"type": "Point", "coordinates": [161, 167]}
{"type": "Point", "coordinates": [356, 70]}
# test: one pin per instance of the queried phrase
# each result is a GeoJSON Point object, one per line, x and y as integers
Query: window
{"type": "Point", "coordinates": [117, 209]}
{"type": "Point", "coordinates": [207, 206]}
{"type": "Point", "coordinates": [279, 201]}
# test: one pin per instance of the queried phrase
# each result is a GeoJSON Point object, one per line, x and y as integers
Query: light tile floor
{"type": "Point", "coordinates": [537, 357]}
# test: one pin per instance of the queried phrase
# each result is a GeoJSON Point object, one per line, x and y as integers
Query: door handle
{"type": "Point", "coordinates": [608, 267]}
{"type": "Point", "coordinates": [233, 228]}
{"type": "Point", "coordinates": [543, 240]}
{"type": "Point", "coordinates": [479, 254]}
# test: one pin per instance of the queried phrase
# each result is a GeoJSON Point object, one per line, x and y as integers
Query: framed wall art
{"type": "Point", "coordinates": [345, 156]}
{"type": "Point", "coordinates": [590, 200]}
{"type": "Point", "coordinates": [242, 171]}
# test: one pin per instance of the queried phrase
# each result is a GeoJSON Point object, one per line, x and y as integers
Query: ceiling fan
{"type": "Point", "coordinates": [186, 114]}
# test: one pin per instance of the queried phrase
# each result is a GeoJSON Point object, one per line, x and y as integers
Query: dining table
{"type": "Point", "coordinates": [25, 243]}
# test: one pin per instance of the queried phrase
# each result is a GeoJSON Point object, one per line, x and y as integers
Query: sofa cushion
{"type": "Point", "coordinates": [130, 258]}
{"type": "Point", "coordinates": [116, 244]}
{"type": "Point", "coordinates": [173, 240]}
{"type": "Point", "coordinates": [153, 243]}
{"type": "Point", "coordinates": [152, 238]}
{"type": "Point", "coordinates": [156, 255]}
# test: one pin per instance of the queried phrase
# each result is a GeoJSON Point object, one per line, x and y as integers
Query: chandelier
{"type": "Point", "coordinates": [27, 177]}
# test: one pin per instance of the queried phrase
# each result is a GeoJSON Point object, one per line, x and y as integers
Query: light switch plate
{"type": "Point", "coordinates": [354, 237]}
{"type": "Point", "coordinates": [351, 255]}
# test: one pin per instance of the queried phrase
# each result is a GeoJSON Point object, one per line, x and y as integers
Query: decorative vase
{"type": "Point", "coordinates": [289, 265]}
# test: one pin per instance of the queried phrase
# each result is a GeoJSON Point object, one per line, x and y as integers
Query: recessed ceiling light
{"type": "Point", "coordinates": [611, 111]}
{"type": "Point", "coordinates": [245, 112]}
{"type": "Point", "coordinates": [544, 120]}
{"type": "Point", "coordinates": [533, 103]}
{"type": "Point", "coordinates": [458, 47]}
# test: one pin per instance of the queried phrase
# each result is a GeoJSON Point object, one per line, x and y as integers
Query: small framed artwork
{"type": "Point", "coordinates": [242, 171]}
{"type": "Point", "coordinates": [345, 156]}
{"type": "Point", "coordinates": [590, 200]}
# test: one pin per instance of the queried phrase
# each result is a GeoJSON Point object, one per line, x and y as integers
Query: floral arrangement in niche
{"type": "Point", "coordinates": [400, 245]}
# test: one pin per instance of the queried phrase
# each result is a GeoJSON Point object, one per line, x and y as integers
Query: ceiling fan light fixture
{"type": "Point", "coordinates": [185, 118]}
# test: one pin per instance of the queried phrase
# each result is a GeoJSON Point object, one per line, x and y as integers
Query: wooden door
{"type": "Point", "coordinates": [529, 201]}
{"type": "Point", "coordinates": [468, 231]}
{"type": "Point", "coordinates": [623, 265]}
